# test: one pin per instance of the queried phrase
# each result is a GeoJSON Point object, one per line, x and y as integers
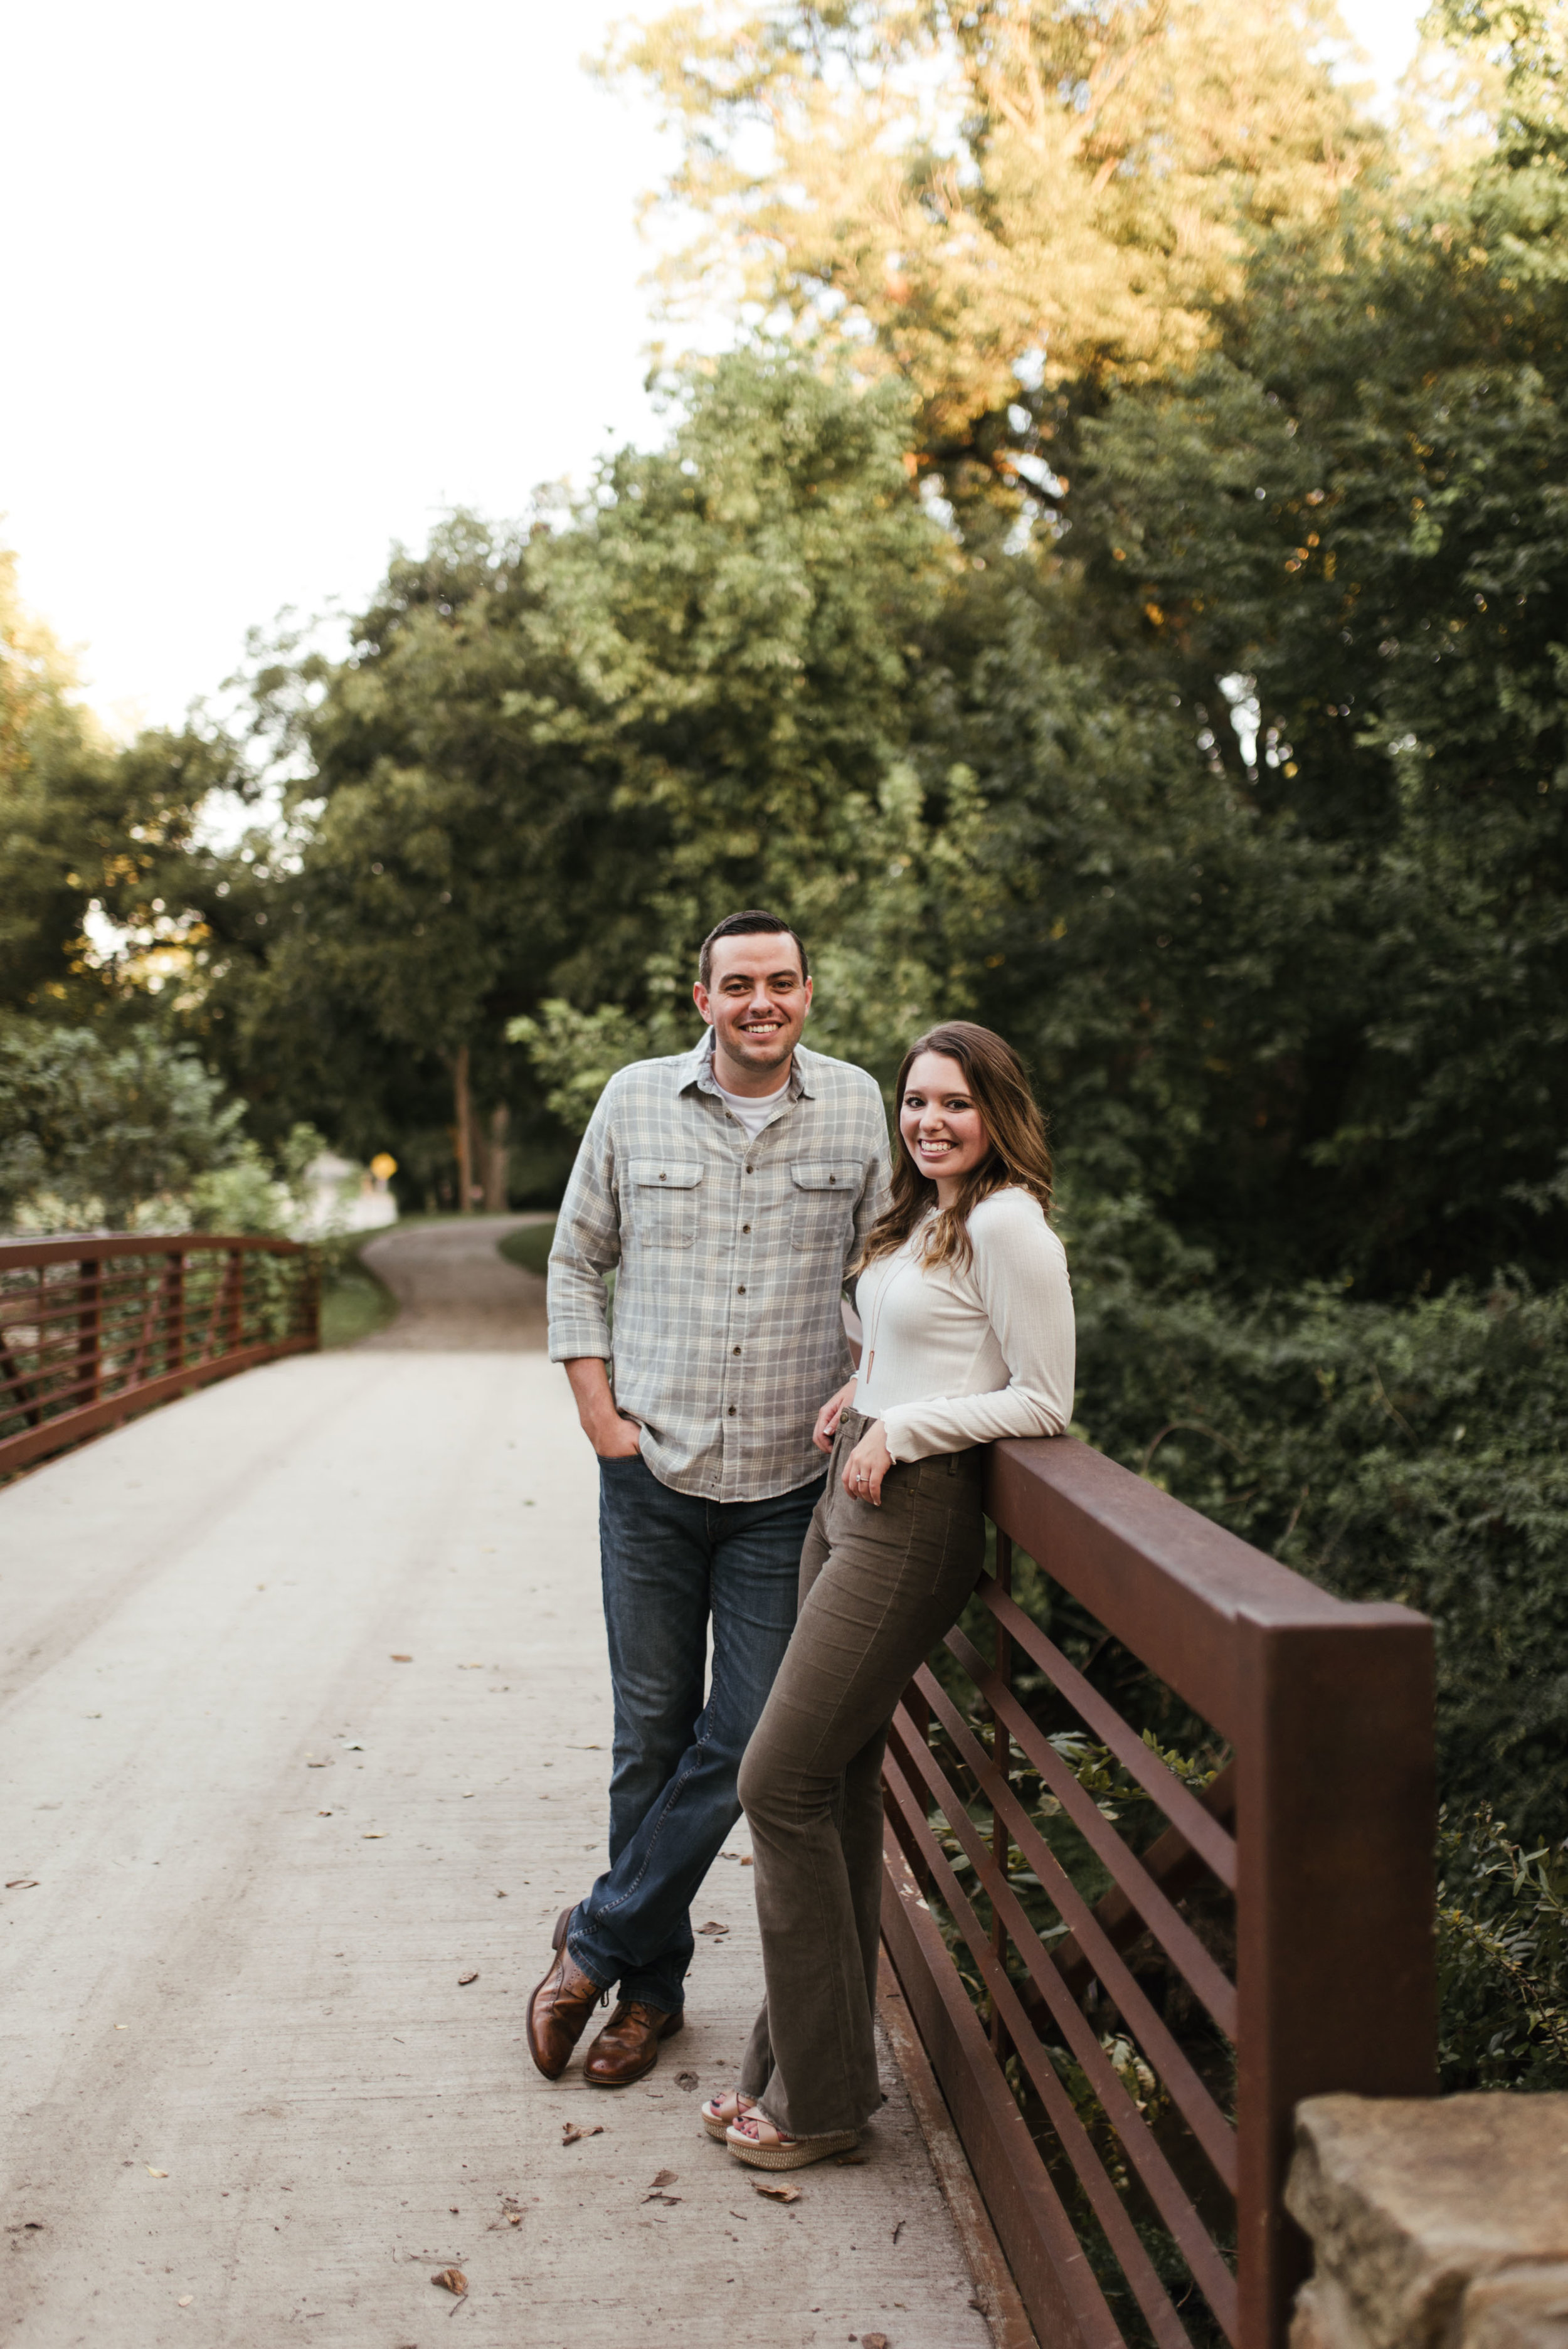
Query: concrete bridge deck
{"type": "Point", "coordinates": [304, 1718]}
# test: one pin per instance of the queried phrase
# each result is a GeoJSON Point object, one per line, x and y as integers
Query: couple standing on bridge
{"type": "Point", "coordinates": [733, 1189]}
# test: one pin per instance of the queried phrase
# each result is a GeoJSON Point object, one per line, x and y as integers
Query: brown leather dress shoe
{"type": "Point", "coordinates": [560, 2007]}
{"type": "Point", "coordinates": [628, 2046]}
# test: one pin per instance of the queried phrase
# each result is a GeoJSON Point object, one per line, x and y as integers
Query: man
{"type": "Point", "coordinates": [729, 1187]}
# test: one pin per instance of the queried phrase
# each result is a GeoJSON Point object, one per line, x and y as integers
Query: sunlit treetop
{"type": "Point", "coordinates": [991, 197]}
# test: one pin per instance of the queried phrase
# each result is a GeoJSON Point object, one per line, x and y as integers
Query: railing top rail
{"type": "Point", "coordinates": [1172, 1585]}
{"type": "Point", "coordinates": [18, 1255]}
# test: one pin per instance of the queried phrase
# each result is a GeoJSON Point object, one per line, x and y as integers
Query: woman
{"type": "Point", "coordinates": [968, 1335]}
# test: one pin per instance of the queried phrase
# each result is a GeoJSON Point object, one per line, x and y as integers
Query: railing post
{"type": "Point", "coordinates": [1336, 1826]}
{"type": "Point", "coordinates": [89, 1332]}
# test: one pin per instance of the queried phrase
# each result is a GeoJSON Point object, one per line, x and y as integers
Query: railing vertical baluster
{"type": "Point", "coordinates": [310, 1297]}
{"type": "Point", "coordinates": [89, 1332]}
{"type": "Point", "coordinates": [174, 1307]}
{"type": "Point", "coordinates": [1002, 1754]}
{"type": "Point", "coordinates": [235, 1315]}
{"type": "Point", "coordinates": [111, 1333]}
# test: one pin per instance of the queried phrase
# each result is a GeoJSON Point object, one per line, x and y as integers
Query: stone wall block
{"type": "Point", "coordinates": [1436, 2223]}
{"type": "Point", "coordinates": [1518, 2308]}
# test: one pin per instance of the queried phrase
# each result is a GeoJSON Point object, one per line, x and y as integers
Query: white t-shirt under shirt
{"type": "Point", "coordinates": [956, 1356]}
{"type": "Point", "coordinates": [753, 1110]}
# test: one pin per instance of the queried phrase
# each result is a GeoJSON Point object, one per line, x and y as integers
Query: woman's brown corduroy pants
{"type": "Point", "coordinates": [879, 1587]}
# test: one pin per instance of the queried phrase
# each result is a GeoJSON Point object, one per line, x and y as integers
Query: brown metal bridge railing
{"type": "Point", "coordinates": [97, 1327]}
{"type": "Point", "coordinates": [1123, 2012]}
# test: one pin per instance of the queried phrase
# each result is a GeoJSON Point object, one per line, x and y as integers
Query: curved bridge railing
{"type": "Point", "coordinates": [97, 1326]}
{"type": "Point", "coordinates": [1142, 1902]}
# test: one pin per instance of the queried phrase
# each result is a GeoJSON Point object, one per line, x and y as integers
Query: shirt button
{"type": "Point", "coordinates": [751, 1170]}
{"type": "Point", "coordinates": [741, 1290]}
{"type": "Point", "coordinates": [746, 1227]}
{"type": "Point", "coordinates": [734, 1350]}
{"type": "Point", "coordinates": [732, 1411]}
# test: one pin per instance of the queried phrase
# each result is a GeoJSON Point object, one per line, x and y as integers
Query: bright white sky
{"type": "Point", "coordinates": [283, 284]}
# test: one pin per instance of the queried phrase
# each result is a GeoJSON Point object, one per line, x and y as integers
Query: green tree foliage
{"type": "Point", "coordinates": [553, 756]}
{"type": "Point", "coordinates": [94, 1129]}
{"type": "Point", "coordinates": [84, 829]}
{"type": "Point", "coordinates": [949, 193]}
{"type": "Point", "coordinates": [1502, 1957]}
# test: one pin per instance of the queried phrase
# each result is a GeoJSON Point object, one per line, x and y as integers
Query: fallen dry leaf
{"type": "Point", "coordinates": [324, 1815]}
{"type": "Point", "coordinates": [713, 1925]}
{"type": "Point", "coordinates": [669, 2199]}
{"type": "Point", "coordinates": [746, 1859]}
{"type": "Point", "coordinates": [775, 2192]}
{"type": "Point", "coordinates": [21, 1884]}
{"type": "Point", "coordinates": [665, 2177]}
{"type": "Point", "coordinates": [451, 2280]}
{"type": "Point", "coordinates": [402, 1660]}
{"type": "Point", "coordinates": [686, 2080]}
{"type": "Point", "coordinates": [318, 1766]}
{"type": "Point", "coordinates": [570, 2132]}
{"type": "Point", "coordinates": [185, 2300]}
{"type": "Point", "coordinates": [154, 2173]}
{"type": "Point", "coordinates": [850, 2162]}
{"type": "Point", "coordinates": [514, 2218]}
{"type": "Point", "coordinates": [874, 2341]}
{"type": "Point", "coordinates": [374, 1835]}
{"type": "Point", "coordinates": [464, 1980]}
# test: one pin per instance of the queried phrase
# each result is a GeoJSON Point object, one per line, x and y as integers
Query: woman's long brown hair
{"type": "Point", "coordinates": [1019, 1157]}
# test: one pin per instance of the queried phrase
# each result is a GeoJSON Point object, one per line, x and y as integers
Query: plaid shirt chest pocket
{"type": "Point", "coordinates": [825, 1190]}
{"type": "Point", "coordinates": [664, 1202]}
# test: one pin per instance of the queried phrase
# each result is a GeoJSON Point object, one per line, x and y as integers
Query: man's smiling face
{"type": "Point", "coordinates": [756, 1001]}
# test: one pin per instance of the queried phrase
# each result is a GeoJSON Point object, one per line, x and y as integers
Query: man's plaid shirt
{"type": "Point", "coordinates": [731, 1255]}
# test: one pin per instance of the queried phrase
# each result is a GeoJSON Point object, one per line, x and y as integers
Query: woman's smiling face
{"type": "Point", "coordinates": [942, 1128]}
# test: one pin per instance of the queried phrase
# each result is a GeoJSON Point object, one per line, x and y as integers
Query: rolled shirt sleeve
{"type": "Point", "coordinates": [587, 1244]}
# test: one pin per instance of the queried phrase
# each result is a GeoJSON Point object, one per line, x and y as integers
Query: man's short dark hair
{"type": "Point", "coordinates": [748, 926]}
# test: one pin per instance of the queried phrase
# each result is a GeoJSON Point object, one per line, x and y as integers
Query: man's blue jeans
{"type": "Point", "coordinates": [670, 1560]}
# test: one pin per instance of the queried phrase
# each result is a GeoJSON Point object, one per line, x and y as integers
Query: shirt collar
{"type": "Point", "coordinates": [698, 1071]}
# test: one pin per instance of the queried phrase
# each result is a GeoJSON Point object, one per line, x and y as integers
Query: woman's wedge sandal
{"type": "Point", "coordinates": [720, 2112]}
{"type": "Point", "coordinates": [777, 2151]}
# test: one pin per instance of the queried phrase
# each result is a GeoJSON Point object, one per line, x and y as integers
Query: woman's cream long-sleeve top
{"type": "Point", "coordinates": [955, 1356]}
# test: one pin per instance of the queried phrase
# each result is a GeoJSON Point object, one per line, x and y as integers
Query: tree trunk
{"type": "Point", "coordinates": [465, 1131]}
{"type": "Point", "coordinates": [498, 1159]}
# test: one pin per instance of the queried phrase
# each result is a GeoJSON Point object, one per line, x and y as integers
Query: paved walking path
{"type": "Point", "coordinates": [248, 2096]}
{"type": "Point", "coordinates": [456, 1292]}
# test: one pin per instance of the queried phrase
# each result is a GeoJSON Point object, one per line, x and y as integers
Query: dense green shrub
{"type": "Point", "coordinates": [1411, 1453]}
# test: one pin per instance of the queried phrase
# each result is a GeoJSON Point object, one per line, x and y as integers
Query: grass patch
{"type": "Point", "coordinates": [529, 1246]}
{"type": "Point", "coordinates": [354, 1304]}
